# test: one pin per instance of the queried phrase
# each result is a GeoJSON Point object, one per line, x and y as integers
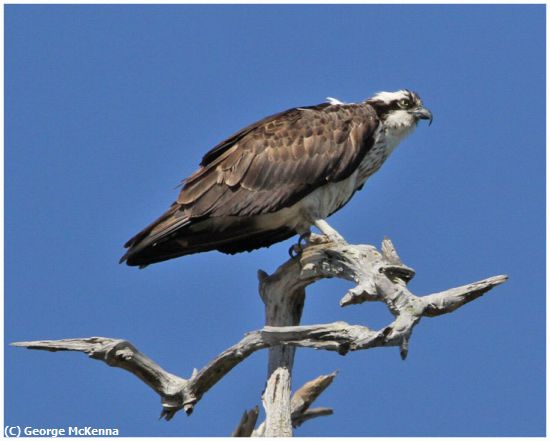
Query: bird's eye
{"type": "Point", "coordinates": [404, 103]}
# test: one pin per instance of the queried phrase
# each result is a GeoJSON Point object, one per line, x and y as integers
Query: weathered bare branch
{"type": "Point", "coordinates": [247, 423]}
{"type": "Point", "coordinates": [451, 299]}
{"type": "Point", "coordinates": [310, 414]}
{"type": "Point", "coordinates": [378, 276]}
{"type": "Point", "coordinates": [301, 401]}
{"type": "Point", "coordinates": [283, 294]}
{"type": "Point", "coordinates": [176, 393]}
{"type": "Point", "coordinates": [122, 354]}
{"type": "Point", "coordinates": [304, 397]}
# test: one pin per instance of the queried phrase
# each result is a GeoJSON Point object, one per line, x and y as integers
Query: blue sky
{"type": "Point", "coordinates": [108, 107]}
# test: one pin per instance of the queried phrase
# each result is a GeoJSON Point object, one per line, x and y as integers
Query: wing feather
{"type": "Point", "coordinates": [263, 168]}
{"type": "Point", "coordinates": [290, 153]}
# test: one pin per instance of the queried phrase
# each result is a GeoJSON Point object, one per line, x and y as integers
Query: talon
{"type": "Point", "coordinates": [303, 240]}
{"type": "Point", "coordinates": [295, 251]}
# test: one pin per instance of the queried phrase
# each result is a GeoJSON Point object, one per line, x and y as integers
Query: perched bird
{"type": "Point", "coordinates": [278, 177]}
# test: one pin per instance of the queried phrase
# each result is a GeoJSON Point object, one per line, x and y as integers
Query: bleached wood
{"type": "Point", "coordinates": [304, 397]}
{"type": "Point", "coordinates": [283, 294]}
{"type": "Point", "coordinates": [176, 393]}
{"type": "Point", "coordinates": [301, 401]}
{"type": "Point", "coordinates": [377, 275]}
{"type": "Point", "coordinates": [122, 354]}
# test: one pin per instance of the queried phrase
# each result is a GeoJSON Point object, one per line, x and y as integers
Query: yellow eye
{"type": "Point", "coordinates": [404, 103]}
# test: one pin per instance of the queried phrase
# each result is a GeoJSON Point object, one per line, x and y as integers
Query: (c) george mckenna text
{"type": "Point", "coordinates": [70, 431]}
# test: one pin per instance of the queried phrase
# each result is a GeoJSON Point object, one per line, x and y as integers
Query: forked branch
{"type": "Point", "coordinates": [301, 401]}
{"type": "Point", "coordinates": [378, 276]}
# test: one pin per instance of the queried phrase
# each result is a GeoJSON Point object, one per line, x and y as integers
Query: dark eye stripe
{"type": "Point", "coordinates": [384, 108]}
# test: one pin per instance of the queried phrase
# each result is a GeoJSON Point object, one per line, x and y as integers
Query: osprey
{"type": "Point", "coordinates": [278, 177]}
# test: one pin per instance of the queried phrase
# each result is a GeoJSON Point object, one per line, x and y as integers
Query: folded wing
{"type": "Point", "coordinates": [267, 166]}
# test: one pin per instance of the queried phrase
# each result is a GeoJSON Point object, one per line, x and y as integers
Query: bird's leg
{"type": "Point", "coordinates": [328, 231]}
{"type": "Point", "coordinates": [296, 250]}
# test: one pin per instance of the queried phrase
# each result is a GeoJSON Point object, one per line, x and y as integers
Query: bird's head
{"type": "Point", "coordinates": [399, 110]}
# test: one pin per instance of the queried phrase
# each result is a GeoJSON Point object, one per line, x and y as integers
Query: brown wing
{"type": "Point", "coordinates": [274, 163]}
{"type": "Point", "coordinates": [266, 166]}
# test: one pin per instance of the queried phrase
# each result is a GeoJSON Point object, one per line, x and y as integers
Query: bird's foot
{"type": "Point", "coordinates": [318, 239]}
{"type": "Point", "coordinates": [296, 250]}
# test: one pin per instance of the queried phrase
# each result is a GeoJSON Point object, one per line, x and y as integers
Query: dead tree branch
{"type": "Point", "coordinates": [301, 401]}
{"type": "Point", "coordinates": [247, 423]}
{"type": "Point", "coordinates": [377, 275]}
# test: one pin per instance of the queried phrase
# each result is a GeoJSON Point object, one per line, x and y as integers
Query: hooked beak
{"type": "Point", "coordinates": [423, 113]}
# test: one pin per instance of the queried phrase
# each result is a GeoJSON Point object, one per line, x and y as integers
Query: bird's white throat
{"type": "Point", "coordinates": [397, 126]}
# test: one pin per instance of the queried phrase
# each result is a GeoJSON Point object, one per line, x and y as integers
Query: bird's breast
{"type": "Point", "coordinates": [385, 141]}
{"type": "Point", "coordinates": [319, 204]}
{"type": "Point", "coordinates": [325, 200]}
{"type": "Point", "coordinates": [373, 160]}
